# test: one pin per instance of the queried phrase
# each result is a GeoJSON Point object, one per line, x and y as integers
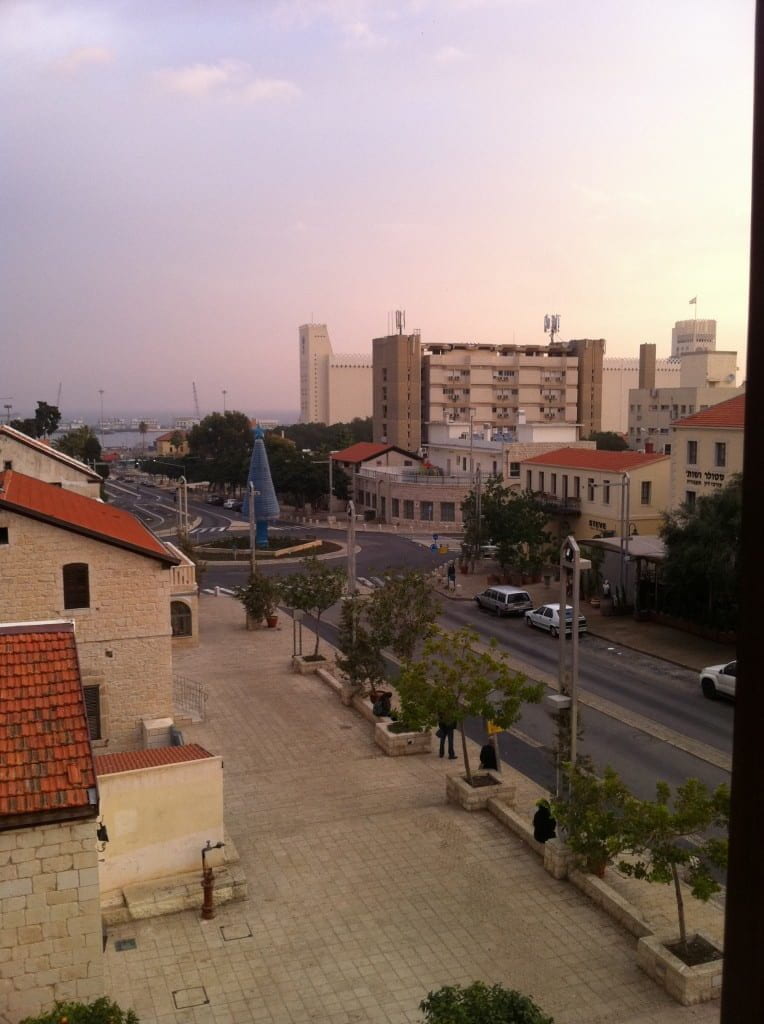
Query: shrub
{"type": "Point", "coordinates": [479, 1004]}
{"type": "Point", "coordinates": [102, 1011]}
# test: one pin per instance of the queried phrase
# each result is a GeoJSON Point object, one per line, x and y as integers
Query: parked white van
{"type": "Point", "coordinates": [505, 600]}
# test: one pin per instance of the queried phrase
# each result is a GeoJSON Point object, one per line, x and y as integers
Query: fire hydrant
{"type": "Point", "coordinates": [208, 882]}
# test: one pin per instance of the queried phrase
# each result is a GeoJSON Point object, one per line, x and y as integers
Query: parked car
{"type": "Point", "coordinates": [547, 616]}
{"type": "Point", "coordinates": [214, 499]}
{"type": "Point", "coordinates": [505, 600]}
{"type": "Point", "coordinates": [718, 679]}
{"type": "Point", "coordinates": [233, 503]}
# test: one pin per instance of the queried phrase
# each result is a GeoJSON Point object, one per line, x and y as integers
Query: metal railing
{"type": "Point", "coordinates": [189, 696]}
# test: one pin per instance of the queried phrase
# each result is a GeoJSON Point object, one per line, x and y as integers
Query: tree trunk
{"type": "Point", "coordinates": [467, 771]}
{"type": "Point", "coordinates": [318, 638]}
{"type": "Point", "coordinates": [679, 906]}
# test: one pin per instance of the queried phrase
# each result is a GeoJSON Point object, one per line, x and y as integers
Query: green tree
{"type": "Point", "coordinates": [260, 596]}
{"type": "Point", "coordinates": [297, 476]}
{"type": "Point", "coordinates": [454, 680]}
{"type": "Point", "coordinates": [313, 590]}
{"type": "Point", "coordinates": [597, 815]}
{"type": "Point", "coordinates": [44, 422]}
{"type": "Point", "coordinates": [360, 648]}
{"type": "Point", "coordinates": [479, 1004]}
{"type": "Point", "coordinates": [403, 612]}
{"type": "Point", "coordinates": [177, 440]}
{"type": "Point", "coordinates": [658, 834]}
{"type": "Point", "coordinates": [513, 520]}
{"type": "Point", "coordinates": [81, 443]}
{"type": "Point", "coordinates": [700, 576]}
{"type": "Point", "coordinates": [102, 1011]}
{"type": "Point", "coordinates": [608, 441]}
{"type": "Point", "coordinates": [222, 444]}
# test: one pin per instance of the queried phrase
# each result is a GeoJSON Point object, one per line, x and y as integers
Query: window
{"type": "Point", "coordinates": [720, 454]}
{"type": "Point", "coordinates": [76, 585]}
{"type": "Point", "coordinates": [689, 499]}
{"type": "Point", "coordinates": [667, 449]}
{"type": "Point", "coordinates": [553, 484]}
{"type": "Point", "coordinates": [541, 481]}
{"type": "Point", "coordinates": [180, 618]}
{"type": "Point", "coordinates": [396, 507]}
{"type": "Point", "coordinates": [8, 464]}
{"type": "Point", "coordinates": [426, 510]}
{"type": "Point", "coordinates": [645, 492]}
{"type": "Point", "coordinates": [605, 492]}
{"type": "Point", "coordinates": [529, 480]}
{"type": "Point", "coordinates": [3, 534]}
{"type": "Point", "coordinates": [93, 710]}
{"type": "Point", "coordinates": [576, 486]}
{"type": "Point", "coordinates": [514, 470]}
{"type": "Point", "coordinates": [447, 512]}
{"type": "Point", "coordinates": [408, 509]}
{"type": "Point", "coordinates": [692, 453]}
{"type": "Point", "coordinates": [590, 489]}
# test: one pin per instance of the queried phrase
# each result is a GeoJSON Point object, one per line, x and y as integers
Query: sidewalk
{"type": "Point", "coordinates": [664, 642]}
{"type": "Point", "coordinates": [367, 889]}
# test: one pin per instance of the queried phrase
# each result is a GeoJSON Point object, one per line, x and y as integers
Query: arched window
{"type": "Point", "coordinates": [76, 585]}
{"type": "Point", "coordinates": [180, 617]}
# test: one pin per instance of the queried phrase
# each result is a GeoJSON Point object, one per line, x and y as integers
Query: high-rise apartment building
{"type": "Point", "coordinates": [333, 388]}
{"type": "Point", "coordinates": [693, 336]}
{"type": "Point", "coordinates": [397, 390]}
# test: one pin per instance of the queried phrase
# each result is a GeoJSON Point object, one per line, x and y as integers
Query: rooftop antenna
{"type": "Point", "coordinates": [196, 401]}
{"type": "Point", "coordinates": [552, 325]}
{"type": "Point", "coordinates": [400, 320]}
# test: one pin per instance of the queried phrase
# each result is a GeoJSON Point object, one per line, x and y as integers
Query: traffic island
{"type": "Point", "coordinates": [485, 786]}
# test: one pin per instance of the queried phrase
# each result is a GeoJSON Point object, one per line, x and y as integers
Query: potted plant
{"type": "Point", "coordinates": [259, 597]}
{"type": "Point", "coordinates": [454, 680]}
{"type": "Point", "coordinates": [312, 590]}
{"type": "Point", "coordinates": [691, 966]}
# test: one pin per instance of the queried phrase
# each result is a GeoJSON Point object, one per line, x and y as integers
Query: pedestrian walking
{"type": "Point", "coordinates": [446, 732]}
{"type": "Point", "coordinates": [451, 573]}
{"type": "Point", "coordinates": [544, 825]}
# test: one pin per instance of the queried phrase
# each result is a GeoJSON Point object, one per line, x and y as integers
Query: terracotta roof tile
{"type": "Point", "coordinates": [590, 458]}
{"type": "Point", "coordinates": [154, 757]}
{"type": "Point", "coordinates": [361, 451]}
{"type": "Point", "coordinates": [29, 496]}
{"type": "Point", "coordinates": [46, 762]}
{"type": "Point", "coordinates": [728, 415]}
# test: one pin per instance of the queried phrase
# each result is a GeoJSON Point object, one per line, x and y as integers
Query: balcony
{"type": "Point", "coordinates": [557, 505]}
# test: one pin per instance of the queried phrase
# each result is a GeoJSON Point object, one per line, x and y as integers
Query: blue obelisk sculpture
{"type": "Point", "coordinates": [266, 503]}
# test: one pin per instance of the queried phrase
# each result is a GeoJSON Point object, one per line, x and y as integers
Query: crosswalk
{"type": "Point", "coordinates": [209, 529]}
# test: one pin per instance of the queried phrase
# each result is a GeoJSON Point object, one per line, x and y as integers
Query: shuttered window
{"type": "Point", "coordinates": [76, 585]}
{"type": "Point", "coordinates": [93, 710]}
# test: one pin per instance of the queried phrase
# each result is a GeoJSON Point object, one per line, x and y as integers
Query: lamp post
{"type": "Point", "coordinates": [351, 548]}
{"type": "Point", "coordinates": [571, 563]}
{"type": "Point", "coordinates": [251, 510]}
{"type": "Point", "coordinates": [225, 392]}
{"type": "Point", "coordinates": [100, 392]}
{"type": "Point", "coordinates": [183, 508]}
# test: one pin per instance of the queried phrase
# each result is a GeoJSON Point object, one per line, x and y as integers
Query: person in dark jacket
{"type": "Point", "coordinates": [488, 757]}
{"type": "Point", "coordinates": [382, 707]}
{"type": "Point", "coordinates": [446, 732]}
{"type": "Point", "coordinates": [544, 825]}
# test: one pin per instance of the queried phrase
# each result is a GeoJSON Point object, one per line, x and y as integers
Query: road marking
{"type": "Point", "coordinates": [525, 738]}
{"type": "Point", "coordinates": [209, 529]}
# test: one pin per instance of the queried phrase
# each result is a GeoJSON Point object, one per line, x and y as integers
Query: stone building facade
{"type": "Point", "coordinates": [39, 459]}
{"type": "Point", "coordinates": [706, 451]}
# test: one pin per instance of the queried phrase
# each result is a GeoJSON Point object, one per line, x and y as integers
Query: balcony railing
{"type": "Point", "coordinates": [557, 505]}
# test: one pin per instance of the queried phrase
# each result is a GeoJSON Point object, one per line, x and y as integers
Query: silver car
{"type": "Point", "coordinates": [547, 616]}
{"type": "Point", "coordinates": [505, 600]}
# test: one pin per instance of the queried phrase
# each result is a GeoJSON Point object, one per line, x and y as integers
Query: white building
{"type": "Point", "coordinates": [333, 388]}
{"type": "Point", "coordinates": [619, 376]}
{"type": "Point", "coordinates": [693, 336]}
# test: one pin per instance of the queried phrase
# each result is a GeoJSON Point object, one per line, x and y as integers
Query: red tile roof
{"type": "Point", "coordinates": [38, 444]}
{"type": "Point", "coordinates": [362, 451]}
{"type": "Point", "coordinates": [75, 512]}
{"type": "Point", "coordinates": [729, 415]}
{"type": "Point", "coordinates": [590, 458]}
{"type": "Point", "coordinates": [46, 762]}
{"type": "Point", "coordinates": [155, 757]}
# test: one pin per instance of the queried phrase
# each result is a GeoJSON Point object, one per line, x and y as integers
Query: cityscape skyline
{"type": "Point", "coordinates": [182, 190]}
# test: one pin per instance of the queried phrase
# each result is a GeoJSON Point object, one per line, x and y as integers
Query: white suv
{"type": "Point", "coordinates": [718, 679]}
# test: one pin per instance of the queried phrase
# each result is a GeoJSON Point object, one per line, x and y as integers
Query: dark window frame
{"type": "Point", "coordinates": [76, 584]}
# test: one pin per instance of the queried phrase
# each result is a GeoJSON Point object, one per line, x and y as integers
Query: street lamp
{"type": "Point", "coordinates": [225, 392]}
{"type": "Point", "coordinates": [100, 392]}
{"type": "Point", "coordinates": [183, 508]}
{"type": "Point", "coordinates": [572, 563]}
{"type": "Point", "coordinates": [251, 509]}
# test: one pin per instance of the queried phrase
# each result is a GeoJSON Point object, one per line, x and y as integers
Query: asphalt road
{"type": "Point", "coordinates": [637, 684]}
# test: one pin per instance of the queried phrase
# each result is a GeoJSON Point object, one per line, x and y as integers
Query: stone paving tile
{"type": "Point", "coordinates": [366, 890]}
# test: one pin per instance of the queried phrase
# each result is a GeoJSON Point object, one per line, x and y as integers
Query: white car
{"type": "Point", "coordinates": [547, 616]}
{"type": "Point", "coordinates": [718, 679]}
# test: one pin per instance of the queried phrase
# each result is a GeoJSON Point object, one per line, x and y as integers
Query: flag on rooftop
{"type": "Point", "coordinates": [694, 302]}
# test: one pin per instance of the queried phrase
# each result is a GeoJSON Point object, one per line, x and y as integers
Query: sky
{"type": "Point", "coordinates": [185, 182]}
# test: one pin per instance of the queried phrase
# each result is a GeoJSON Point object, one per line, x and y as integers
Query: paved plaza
{"type": "Point", "coordinates": [366, 889]}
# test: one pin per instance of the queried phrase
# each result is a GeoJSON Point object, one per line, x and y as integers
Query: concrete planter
{"type": "Point", "coordinates": [398, 744]}
{"type": "Point", "coordinates": [687, 985]}
{"type": "Point", "coordinates": [304, 667]}
{"type": "Point", "coordinates": [475, 798]}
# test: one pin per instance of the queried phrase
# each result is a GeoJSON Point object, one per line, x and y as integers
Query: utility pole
{"type": "Point", "coordinates": [100, 392]}
{"type": "Point", "coordinates": [252, 546]}
{"type": "Point", "coordinates": [225, 392]}
{"type": "Point", "coordinates": [183, 508]}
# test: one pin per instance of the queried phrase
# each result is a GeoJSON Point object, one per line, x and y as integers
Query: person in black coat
{"type": "Point", "coordinates": [544, 825]}
{"type": "Point", "coordinates": [488, 757]}
{"type": "Point", "coordinates": [446, 732]}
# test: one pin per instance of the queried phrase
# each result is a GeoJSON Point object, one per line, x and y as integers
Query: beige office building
{"type": "Point", "coordinates": [620, 375]}
{"type": "Point", "coordinates": [334, 388]}
{"type": "Point", "coordinates": [706, 451]}
{"type": "Point", "coordinates": [705, 379]}
{"type": "Point", "coordinates": [693, 336]}
{"type": "Point", "coordinates": [397, 391]}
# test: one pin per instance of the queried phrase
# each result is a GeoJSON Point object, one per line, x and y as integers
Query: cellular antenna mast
{"type": "Point", "coordinates": [400, 320]}
{"type": "Point", "coordinates": [196, 401]}
{"type": "Point", "coordinates": [552, 326]}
